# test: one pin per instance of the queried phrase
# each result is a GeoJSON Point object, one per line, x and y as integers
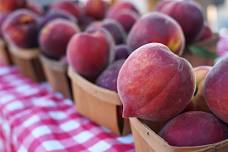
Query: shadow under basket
{"type": "Point", "coordinates": [28, 62]}
{"type": "Point", "coordinates": [5, 57]}
{"type": "Point", "coordinates": [98, 104]}
{"type": "Point", "coordinates": [202, 53]}
{"type": "Point", "coordinates": [147, 140]}
{"type": "Point", "coordinates": [56, 74]}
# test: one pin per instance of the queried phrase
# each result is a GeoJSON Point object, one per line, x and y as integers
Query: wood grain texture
{"type": "Point", "coordinates": [28, 62]}
{"type": "Point", "coordinates": [98, 104]}
{"type": "Point", "coordinates": [5, 57]}
{"type": "Point", "coordinates": [56, 74]}
{"type": "Point", "coordinates": [146, 140]}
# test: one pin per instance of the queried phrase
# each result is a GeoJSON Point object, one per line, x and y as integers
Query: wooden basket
{"type": "Point", "coordinates": [4, 53]}
{"type": "Point", "coordinates": [198, 60]}
{"type": "Point", "coordinates": [56, 74]}
{"type": "Point", "coordinates": [146, 140]}
{"type": "Point", "coordinates": [28, 62]}
{"type": "Point", "coordinates": [98, 104]}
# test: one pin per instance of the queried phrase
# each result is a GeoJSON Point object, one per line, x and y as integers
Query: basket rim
{"type": "Point", "coordinates": [144, 130]}
{"type": "Point", "coordinates": [112, 96]}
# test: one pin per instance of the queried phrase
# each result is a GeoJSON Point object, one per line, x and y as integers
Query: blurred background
{"type": "Point", "coordinates": [216, 11]}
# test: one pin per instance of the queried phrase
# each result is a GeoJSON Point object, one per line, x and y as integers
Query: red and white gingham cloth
{"type": "Point", "coordinates": [33, 119]}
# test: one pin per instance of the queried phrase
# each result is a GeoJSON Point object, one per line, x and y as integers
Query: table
{"type": "Point", "coordinates": [34, 119]}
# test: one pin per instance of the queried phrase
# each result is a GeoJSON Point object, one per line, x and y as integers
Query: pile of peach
{"type": "Point", "coordinates": [57, 32]}
{"type": "Point", "coordinates": [138, 56]}
{"type": "Point", "coordinates": [158, 86]}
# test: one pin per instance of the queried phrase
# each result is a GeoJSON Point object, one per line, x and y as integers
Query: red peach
{"type": "Point", "coordinates": [188, 14]}
{"type": "Point", "coordinates": [120, 6]}
{"type": "Point", "coordinates": [89, 53]}
{"type": "Point", "coordinates": [55, 36]}
{"type": "Point", "coordinates": [108, 37]}
{"type": "Point", "coordinates": [55, 14]}
{"type": "Point", "coordinates": [215, 89]}
{"type": "Point", "coordinates": [154, 83]}
{"type": "Point", "coordinates": [161, 4]}
{"type": "Point", "coordinates": [108, 78]}
{"type": "Point", "coordinates": [11, 5]}
{"type": "Point", "coordinates": [20, 28]}
{"type": "Point", "coordinates": [94, 26]}
{"type": "Point", "coordinates": [126, 18]}
{"type": "Point", "coordinates": [85, 21]}
{"type": "Point", "coordinates": [157, 27]}
{"type": "Point", "coordinates": [121, 52]}
{"type": "Point", "coordinates": [205, 34]}
{"type": "Point", "coordinates": [96, 8]}
{"type": "Point", "coordinates": [194, 129]}
{"type": "Point", "coordinates": [35, 7]}
{"type": "Point", "coordinates": [113, 27]}
{"type": "Point", "coordinates": [198, 102]}
{"type": "Point", "coordinates": [68, 6]}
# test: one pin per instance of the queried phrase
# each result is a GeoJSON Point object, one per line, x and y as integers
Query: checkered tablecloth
{"type": "Point", "coordinates": [33, 119]}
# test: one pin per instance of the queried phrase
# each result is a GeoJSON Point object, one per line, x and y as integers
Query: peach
{"type": "Point", "coordinates": [215, 89]}
{"type": "Point", "coordinates": [108, 37]}
{"type": "Point", "coordinates": [55, 36]}
{"type": "Point", "coordinates": [96, 8]}
{"type": "Point", "coordinates": [205, 34]}
{"type": "Point", "coordinates": [157, 27]}
{"type": "Point", "coordinates": [161, 4]}
{"type": "Point", "coordinates": [108, 78]}
{"type": "Point", "coordinates": [11, 5]}
{"type": "Point", "coordinates": [55, 14]}
{"type": "Point", "coordinates": [188, 14]}
{"type": "Point", "coordinates": [126, 18]}
{"type": "Point", "coordinates": [94, 26]}
{"type": "Point", "coordinates": [120, 52]}
{"type": "Point", "coordinates": [35, 7]}
{"type": "Point", "coordinates": [198, 102]}
{"type": "Point", "coordinates": [3, 17]}
{"type": "Point", "coordinates": [89, 53]}
{"type": "Point", "coordinates": [194, 128]}
{"type": "Point", "coordinates": [20, 29]}
{"type": "Point", "coordinates": [120, 6]}
{"type": "Point", "coordinates": [68, 6]}
{"type": "Point", "coordinates": [113, 27]}
{"type": "Point", "coordinates": [155, 84]}
{"type": "Point", "coordinates": [85, 21]}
